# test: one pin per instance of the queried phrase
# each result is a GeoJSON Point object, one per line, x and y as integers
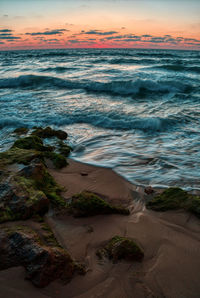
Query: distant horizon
{"type": "Point", "coordinates": [148, 24]}
{"type": "Point", "coordinates": [143, 49]}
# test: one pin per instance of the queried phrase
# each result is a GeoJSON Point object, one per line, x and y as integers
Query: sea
{"type": "Point", "coordinates": [135, 111]}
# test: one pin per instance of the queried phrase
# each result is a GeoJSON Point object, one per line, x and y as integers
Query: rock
{"type": "Point", "coordinates": [175, 198]}
{"type": "Point", "coordinates": [19, 156]}
{"type": "Point", "coordinates": [64, 149]}
{"type": "Point", "coordinates": [121, 248]}
{"type": "Point", "coordinates": [84, 174]}
{"type": "Point", "coordinates": [48, 132]}
{"type": "Point", "coordinates": [32, 142]}
{"type": "Point", "coordinates": [22, 247]}
{"type": "Point", "coordinates": [59, 161]}
{"type": "Point", "coordinates": [149, 190]}
{"type": "Point", "coordinates": [43, 181]}
{"type": "Point", "coordinates": [19, 199]}
{"type": "Point", "coordinates": [89, 204]}
{"type": "Point", "coordinates": [21, 130]}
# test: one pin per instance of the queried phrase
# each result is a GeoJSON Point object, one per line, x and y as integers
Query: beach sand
{"type": "Point", "coordinates": [171, 243]}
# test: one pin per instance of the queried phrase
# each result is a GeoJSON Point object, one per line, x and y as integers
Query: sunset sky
{"type": "Point", "coordinates": [31, 24]}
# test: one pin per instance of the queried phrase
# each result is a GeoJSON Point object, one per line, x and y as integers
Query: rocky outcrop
{"type": "Point", "coordinates": [19, 199]}
{"type": "Point", "coordinates": [48, 132]}
{"type": "Point", "coordinates": [175, 198]}
{"type": "Point", "coordinates": [23, 247]}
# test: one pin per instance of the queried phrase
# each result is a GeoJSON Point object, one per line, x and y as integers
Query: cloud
{"type": "Point", "coordinates": [79, 41]}
{"type": "Point", "coordinates": [5, 30]}
{"type": "Point", "coordinates": [49, 32]}
{"type": "Point", "coordinates": [165, 40]}
{"type": "Point", "coordinates": [6, 34]}
{"type": "Point", "coordinates": [98, 32]}
{"type": "Point", "coordinates": [10, 37]}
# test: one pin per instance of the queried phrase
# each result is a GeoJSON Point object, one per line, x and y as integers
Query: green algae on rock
{"type": "Point", "coordinates": [64, 149]}
{"type": "Point", "coordinates": [121, 248]}
{"type": "Point", "coordinates": [59, 161]}
{"type": "Point", "coordinates": [43, 181]}
{"type": "Point", "coordinates": [21, 130]}
{"type": "Point", "coordinates": [20, 199]}
{"type": "Point", "coordinates": [48, 132]}
{"type": "Point", "coordinates": [19, 156]}
{"type": "Point", "coordinates": [89, 204]}
{"type": "Point", "coordinates": [175, 198]}
{"type": "Point", "coordinates": [31, 142]}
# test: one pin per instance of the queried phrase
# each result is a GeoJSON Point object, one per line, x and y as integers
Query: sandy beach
{"type": "Point", "coordinates": [170, 241]}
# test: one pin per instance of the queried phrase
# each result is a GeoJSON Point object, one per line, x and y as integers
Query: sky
{"type": "Point", "coordinates": [41, 24]}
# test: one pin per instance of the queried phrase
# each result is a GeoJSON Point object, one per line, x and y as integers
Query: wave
{"type": "Point", "coordinates": [58, 69]}
{"type": "Point", "coordinates": [157, 55]}
{"type": "Point", "coordinates": [178, 67]}
{"type": "Point", "coordinates": [106, 120]}
{"type": "Point", "coordinates": [124, 88]}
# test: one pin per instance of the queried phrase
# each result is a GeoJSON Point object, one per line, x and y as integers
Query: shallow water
{"type": "Point", "coordinates": [136, 111]}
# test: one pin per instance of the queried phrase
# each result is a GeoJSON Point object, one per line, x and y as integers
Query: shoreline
{"type": "Point", "coordinates": [170, 241]}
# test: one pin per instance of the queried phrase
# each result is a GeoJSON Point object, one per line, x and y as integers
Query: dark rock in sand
{"type": "Point", "coordinates": [90, 204]}
{"type": "Point", "coordinates": [121, 248]}
{"type": "Point", "coordinates": [149, 190]}
{"type": "Point", "coordinates": [175, 198]}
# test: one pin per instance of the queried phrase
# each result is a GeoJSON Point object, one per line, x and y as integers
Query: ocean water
{"type": "Point", "coordinates": [136, 111]}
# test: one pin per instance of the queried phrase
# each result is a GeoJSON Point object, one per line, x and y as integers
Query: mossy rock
{"type": "Point", "coordinates": [121, 248]}
{"type": "Point", "coordinates": [31, 142]}
{"type": "Point", "coordinates": [28, 193]}
{"type": "Point", "coordinates": [171, 198]}
{"type": "Point", "coordinates": [175, 198]}
{"type": "Point", "coordinates": [59, 161]}
{"type": "Point", "coordinates": [20, 199]}
{"type": "Point", "coordinates": [19, 156]}
{"type": "Point", "coordinates": [89, 204]}
{"type": "Point", "coordinates": [21, 130]}
{"type": "Point", "coordinates": [43, 181]}
{"type": "Point", "coordinates": [64, 149]}
{"type": "Point", "coordinates": [48, 132]}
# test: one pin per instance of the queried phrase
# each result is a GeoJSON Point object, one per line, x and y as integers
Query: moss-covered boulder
{"type": "Point", "coordinates": [48, 132]}
{"type": "Point", "coordinates": [38, 175]}
{"type": "Point", "coordinates": [21, 130]}
{"type": "Point", "coordinates": [19, 156]}
{"type": "Point", "coordinates": [31, 142]}
{"type": "Point", "coordinates": [28, 193]}
{"type": "Point", "coordinates": [58, 160]}
{"type": "Point", "coordinates": [121, 248]}
{"type": "Point", "coordinates": [64, 149]}
{"type": "Point", "coordinates": [21, 246]}
{"type": "Point", "coordinates": [89, 204]}
{"type": "Point", "coordinates": [175, 198]}
{"type": "Point", "coordinates": [20, 199]}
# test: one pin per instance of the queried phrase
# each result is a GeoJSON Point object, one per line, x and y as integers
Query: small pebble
{"type": "Point", "coordinates": [84, 174]}
{"type": "Point", "coordinates": [149, 190]}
